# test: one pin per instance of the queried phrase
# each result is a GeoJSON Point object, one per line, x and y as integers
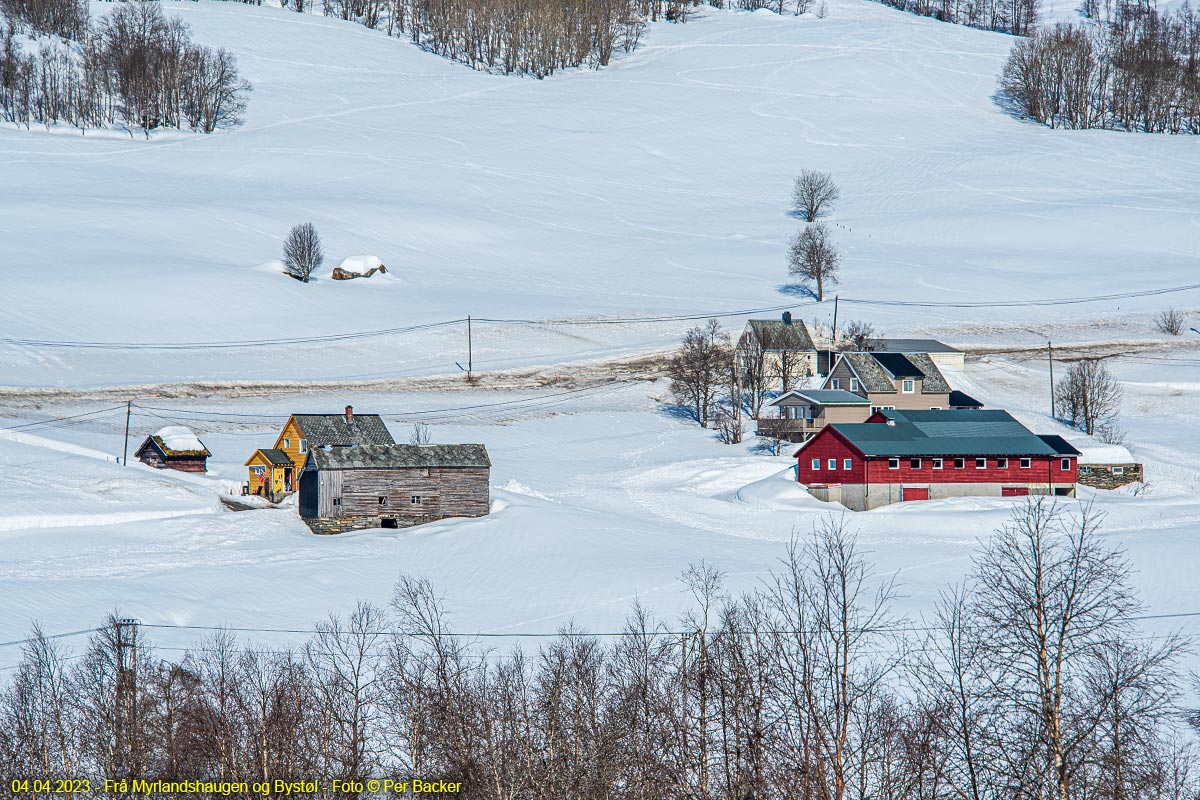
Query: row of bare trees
{"type": "Point", "coordinates": [1029, 681]}
{"type": "Point", "coordinates": [136, 68]}
{"type": "Point", "coordinates": [1008, 16]}
{"type": "Point", "coordinates": [67, 19]}
{"type": "Point", "coordinates": [1138, 72]}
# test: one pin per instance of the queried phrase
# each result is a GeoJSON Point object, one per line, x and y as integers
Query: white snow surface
{"type": "Point", "coordinates": [178, 437]}
{"type": "Point", "coordinates": [657, 186]}
{"type": "Point", "coordinates": [1104, 454]}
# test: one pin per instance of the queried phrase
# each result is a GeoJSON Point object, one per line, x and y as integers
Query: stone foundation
{"type": "Point", "coordinates": [860, 497]}
{"type": "Point", "coordinates": [326, 526]}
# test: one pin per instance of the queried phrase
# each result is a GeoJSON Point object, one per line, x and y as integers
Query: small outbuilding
{"type": "Point", "coordinates": [393, 485]}
{"type": "Point", "coordinates": [1108, 466]}
{"type": "Point", "coordinates": [270, 474]}
{"type": "Point", "coordinates": [174, 447]}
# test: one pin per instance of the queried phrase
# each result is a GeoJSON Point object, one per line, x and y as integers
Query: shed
{"type": "Point", "coordinates": [174, 447]}
{"type": "Point", "coordinates": [1108, 466]}
{"type": "Point", "coordinates": [393, 485]}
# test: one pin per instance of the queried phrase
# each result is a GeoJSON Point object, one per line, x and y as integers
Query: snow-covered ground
{"type": "Point", "coordinates": [599, 497]}
{"type": "Point", "coordinates": [658, 186]}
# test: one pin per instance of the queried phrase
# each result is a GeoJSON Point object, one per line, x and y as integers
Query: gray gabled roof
{"type": "Point", "coordinates": [911, 346]}
{"type": "Point", "coordinates": [775, 334]}
{"type": "Point", "coordinates": [277, 457]}
{"type": "Point", "coordinates": [822, 397]}
{"type": "Point", "coordinates": [871, 376]}
{"type": "Point", "coordinates": [333, 429]}
{"type": "Point", "coordinates": [934, 381]}
{"type": "Point", "coordinates": [399, 456]}
{"type": "Point", "coordinates": [944, 433]}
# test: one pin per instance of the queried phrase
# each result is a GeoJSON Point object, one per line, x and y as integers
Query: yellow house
{"type": "Point", "coordinates": [272, 474]}
{"type": "Point", "coordinates": [275, 471]}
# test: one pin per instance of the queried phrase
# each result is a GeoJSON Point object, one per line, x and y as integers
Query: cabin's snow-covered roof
{"type": "Point", "coordinates": [1104, 454]}
{"type": "Point", "coordinates": [178, 439]}
{"type": "Point", "coordinates": [360, 263]}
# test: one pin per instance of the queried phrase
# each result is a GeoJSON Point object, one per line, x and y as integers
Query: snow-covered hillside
{"type": "Point", "coordinates": [657, 186]}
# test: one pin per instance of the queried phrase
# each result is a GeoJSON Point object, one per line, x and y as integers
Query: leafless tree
{"type": "Point", "coordinates": [1170, 321]}
{"type": "Point", "coordinates": [698, 370]}
{"type": "Point", "coordinates": [835, 617]}
{"type": "Point", "coordinates": [858, 337]}
{"type": "Point", "coordinates": [730, 428]}
{"type": "Point", "coordinates": [1049, 596]}
{"type": "Point", "coordinates": [813, 257]}
{"type": "Point", "coordinates": [302, 253]}
{"type": "Point", "coordinates": [419, 434]}
{"type": "Point", "coordinates": [1089, 396]}
{"type": "Point", "coordinates": [813, 193]}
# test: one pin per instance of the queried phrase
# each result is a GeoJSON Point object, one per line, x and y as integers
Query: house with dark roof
{"type": "Point", "coordinates": [392, 485]}
{"type": "Point", "coordinates": [174, 447]}
{"type": "Point", "coordinates": [302, 433]}
{"type": "Point", "coordinates": [899, 456]}
{"type": "Point", "coordinates": [798, 415]}
{"type": "Point", "coordinates": [891, 380]}
{"type": "Point", "coordinates": [941, 354]}
{"type": "Point", "coordinates": [780, 351]}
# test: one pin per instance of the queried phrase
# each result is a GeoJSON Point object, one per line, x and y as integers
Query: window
{"type": "Point", "coordinates": [914, 463]}
{"type": "Point", "coordinates": [835, 383]}
{"type": "Point", "coordinates": [959, 463]}
{"type": "Point", "coordinates": [893, 463]}
{"type": "Point", "coordinates": [1066, 464]}
{"type": "Point", "coordinates": [937, 463]}
{"type": "Point", "coordinates": [847, 463]}
{"type": "Point", "coordinates": [287, 443]}
{"type": "Point", "coordinates": [304, 445]}
{"type": "Point", "coordinates": [416, 499]}
{"type": "Point", "coordinates": [1026, 463]}
{"type": "Point", "coordinates": [908, 386]}
{"type": "Point", "coordinates": [383, 501]}
{"type": "Point", "coordinates": [981, 463]}
{"type": "Point", "coordinates": [833, 463]}
{"type": "Point", "coordinates": [854, 384]}
{"type": "Point", "coordinates": [816, 464]}
{"type": "Point", "coordinates": [1116, 470]}
{"type": "Point", "coordinates": [337, 501]}
{"type": "Point", "coordinates": [935, 408]}
{"type": "Point", "coordinates": [1002, 463]}
{"type": "Point", "coordinates": [1088, 471]}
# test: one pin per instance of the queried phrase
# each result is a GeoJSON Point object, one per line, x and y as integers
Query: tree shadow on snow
{"type": "Point", "coordinates": [796, 290]}
{"type": "Point", "coordinates": [682, 413]}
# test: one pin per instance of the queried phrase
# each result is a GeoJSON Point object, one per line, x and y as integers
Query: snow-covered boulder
{"type": "Point", "coordinates": [358, 267]}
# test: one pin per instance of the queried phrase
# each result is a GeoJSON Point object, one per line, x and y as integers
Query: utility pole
{"type": "Point", "coordinates": [833, 333]}
{"type": "Point", "coordinates": [1050, 358]}
{"type": "Point", "coordinates": [470, 352]}
{"type": "Point", "coordinates": [126, 755]}
{"type": "Point", "coordinates": [128, 411]}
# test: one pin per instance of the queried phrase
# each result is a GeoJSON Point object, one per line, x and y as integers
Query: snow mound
{"type": "Point", "coordinates": [179, 439]}
{"type": "Point", "coordinates": [780, 492]}
{"type": "Point", "coordinates": [276, 267]}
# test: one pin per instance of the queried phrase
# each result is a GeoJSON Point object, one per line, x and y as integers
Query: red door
{"type": "Point", "coordinates": [913, 493]}
{"type": "Point", "coordinates": [1014, 491]}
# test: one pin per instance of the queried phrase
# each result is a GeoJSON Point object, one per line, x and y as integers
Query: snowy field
{"type": "Point", "coordinates": [600, 497]}
{"type": "Point", "coordinates": [658, 186]}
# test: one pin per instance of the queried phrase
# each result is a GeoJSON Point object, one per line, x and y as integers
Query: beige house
{"type": "Point", "coordinates": [776, 352]}
{"type": "Point", "coordinates": [908, 382]}
{"type": "Point", "coordinates": [798, 415]}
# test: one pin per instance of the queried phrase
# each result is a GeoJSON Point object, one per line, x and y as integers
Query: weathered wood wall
{"type": "Point", "coordinates": [443, 492]}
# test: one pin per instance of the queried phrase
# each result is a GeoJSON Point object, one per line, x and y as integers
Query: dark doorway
{"type": "Point", "coordinates": [388, 522]}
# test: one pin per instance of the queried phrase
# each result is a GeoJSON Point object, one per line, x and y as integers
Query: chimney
{"type": "Point", "coordinates": [349, 414]}
{"type": "Point", "coordinates": [787, 318]}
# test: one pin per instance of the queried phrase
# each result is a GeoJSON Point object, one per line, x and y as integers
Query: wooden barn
{"type": "Point", "coordinates": [393, 485]}
{"type": "Point", "coordinates": [174, 447]}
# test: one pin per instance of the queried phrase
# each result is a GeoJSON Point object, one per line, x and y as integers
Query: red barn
{"type": "Point", "coordinates": [928, 455]}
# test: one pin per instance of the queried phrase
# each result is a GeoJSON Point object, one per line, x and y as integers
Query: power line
{"type": "Point", "coordinates": [336, 337]}
{"type": "Point", "coordinates": [55, 422]}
